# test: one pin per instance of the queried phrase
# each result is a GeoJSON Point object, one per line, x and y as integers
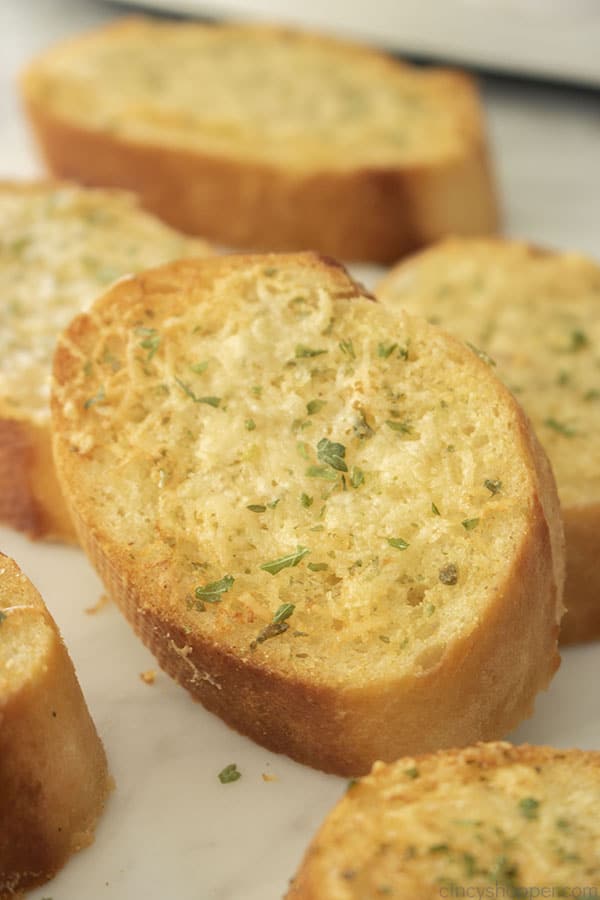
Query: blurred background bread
{"type": "Point", "coordinates": [266, 138]}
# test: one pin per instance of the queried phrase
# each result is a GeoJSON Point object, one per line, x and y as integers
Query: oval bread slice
{"type": "Point", "coordinates": [53, 773]}
{"type": "Point", "coordinates": [60, 246]}
{"type": "Point", "coordinates": [489, 821]}
{"type": "Point", "coordinates": [265, 138]}
{"type": "Point", "coordinates": [537, 314]}
{"type": "Point", "coordinates": [332, 524]}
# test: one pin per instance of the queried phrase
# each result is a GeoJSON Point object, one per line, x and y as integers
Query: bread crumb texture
{"type": "Point", "coordinates": [60, 246]}
{"type": "Point", "coordinates": [277, 465]}
{"type": "Point", "coordinates": [537, 314]}
{"type": "Point", "coordinates": [258, 94]}
{"type": "Point", "coordinates": [53, 777]}
{"type": "Point", "coordinates": [491, 817]}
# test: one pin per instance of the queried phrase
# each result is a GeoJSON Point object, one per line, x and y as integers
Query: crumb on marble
{"type": "Point", "coordinates": [267, 777]}
{"type": "Point", "coordinates": [148, 677]}
{"type": "Point", "coordinates": [103, 601]}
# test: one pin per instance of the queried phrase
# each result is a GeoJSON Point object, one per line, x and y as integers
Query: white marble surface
{"type": "Point", "coordinates": [171, 829]}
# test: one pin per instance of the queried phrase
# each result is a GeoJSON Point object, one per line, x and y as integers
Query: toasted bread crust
{"type": "Point", "coordinates": [374, 213]}
{"type": "Point", "coordinates": [500, 665]}
{"type": "Point", "coordinates": [53, 773]}
{"type": "Point", "coordinates": [336, 868]}
{"type": "Point", "coordinates": [522, 260]}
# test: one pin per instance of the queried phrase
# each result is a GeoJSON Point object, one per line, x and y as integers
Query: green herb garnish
{"type": "Point", "coordinates": [448, 574]}
{"type": "Point", "coordinates": [385, 350]}
{"type": "Point", "coordinates": [321, 472]}
{"type": "Point", "coordinates": [469, 524]}
{"type": "Point", "coordinates": [229, 773]}
{"type": "Point", "coordinates": [481, 354]}
{"type": "Point", "coordinates": [303, 352]}
{"type": "Point", "coordinates": [332, 454]}
{"type": "Point", "coordinates": [493, 485]}
{"type": "Point", "coordinates": [357, 477]}
{"type": "Point", "coordinates": [413, 772]}
{"type": "Point", "coordinates": [2, 616]}
{"type": "Point", "coordinates": [314, 406]}
{"type": "Point", "coordinates": [348, 348]}
{"type": "Point", "coordinates": [306, 501]}
{"type": "Point", "coordinates": [257, 508]}
{"type": "Point", "coordinates": [151, 341]}
{"type": "Point", "coordinates": [250, 424]}
{"type": "Point", "coordinates": [277, 626]}
{"type": "Point", "coordinates": [579, 339]}
{"type": "Point", "coordinates": [529, 807]}
{"type": "Point", "coordinates": [212, 593]}
{"type": "Point", "coordinates": [317, 567]}
{"type": "Point", "coordinates": [199, 368]}
{"type": "Point", "coordinates": [97, 398]}
{"type": "Point", "coordinates": [398, 543]}
{"type": "Point", "coordinates": [211, 401]}
{"type": "Point", "coordinates": [403, 427]}
{"type": "Point", "coordinates": [560, 427]}
{"type": "Point", "coordinates": [435, 510]}
{"type": "Point", "coordinates": [285, 562]}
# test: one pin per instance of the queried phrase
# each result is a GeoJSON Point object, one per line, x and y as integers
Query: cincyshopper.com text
{"type": "Point", "coordinates": [503, 891]}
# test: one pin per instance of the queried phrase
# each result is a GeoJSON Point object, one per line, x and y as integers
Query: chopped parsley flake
{"type": "Point", "coordinates": [283, 613]}
{"type": "Point", "coordinates": [469, 524]}
{"type": "Point", "coordinates": [277, 626]}
{"type": "Point", "coordinates": [398, 543]}
{"type": "Point", "coordinates": [448, 574]}
{"type": "Point", "coordinates": [211, 401]}
{"type": "Point", "coordinates": [303, 352]}
{"type": "Point", "coordinates": [357, 477]}
{"type": "Point", "coordinates": [2, 616]}
{"type": "Point", "coordinates": [306, 501]}
{"type": "Point", "coordinates": [321, 472]}
{"type": "Point", "coordinates": [151, 341]}
{"type": "Point", "coordinates": [560, 427]}
{"type": "Point", "coordinates": [211, 593]}
{"type": "Point", "coordinates": [529, 807]}
{"type": "Point", "coordinates": [348, 348]}
{"type": "Point", "coordinates": [493, 485]}
{"type": "Point", "coordinates": [403, 427]}
{"type": "Point", "coordinates": [332, 454]}
{"type": "Point", "coordinates": [413, 772]}
{"type": "Point", "coordinates": [250, 424]}
{"type": "Point", "coordinates": [579, 339]}
{"type": "Point", "coordinates": [229, 774]}
{"type": "Point", "coordinates": [385, 350]}
{"type": "Point", "coordinates": [257, 508]}
{"type": "Point", "coordinates": [481, 354]}
{"type": "Point", "coordinates": [314, 406]}
{"type": "Point", "coordinates": [285, 562]}
{"type": "Point", "coordinates": [97, 398]}
{"type": "Point", "coordinates": [318, 567]}
{"type": "Point", "coordinates": [199, 368]}
{"type": "Point", "coordinates": [435, 510]}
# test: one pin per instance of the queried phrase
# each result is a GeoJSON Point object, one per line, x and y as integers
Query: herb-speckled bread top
{"type": "Point", "coordinates": [270, 468]}
{"type": "Point", "coordinates": [263, 137]}
{"type": "Point", "coordinates": [537, 314]}
{"type": "Point", "coordinates": [490, 818]}
{"type": "Point", "coordinates": [60, 246]}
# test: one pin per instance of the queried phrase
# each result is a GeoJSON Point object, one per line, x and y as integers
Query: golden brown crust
{"type": "Point", "coordinates": [53, 773]}
{"type": "Point", "coordinates": [30, 496]}
{"type": "Point", "coordinates": [509, 655]}
{"type": "Point", "coordinates": [582, 586]}
{"type": "Point", "coordinates": [365, 801]}
{"type": "Point", "coordinates": [377, 214]}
